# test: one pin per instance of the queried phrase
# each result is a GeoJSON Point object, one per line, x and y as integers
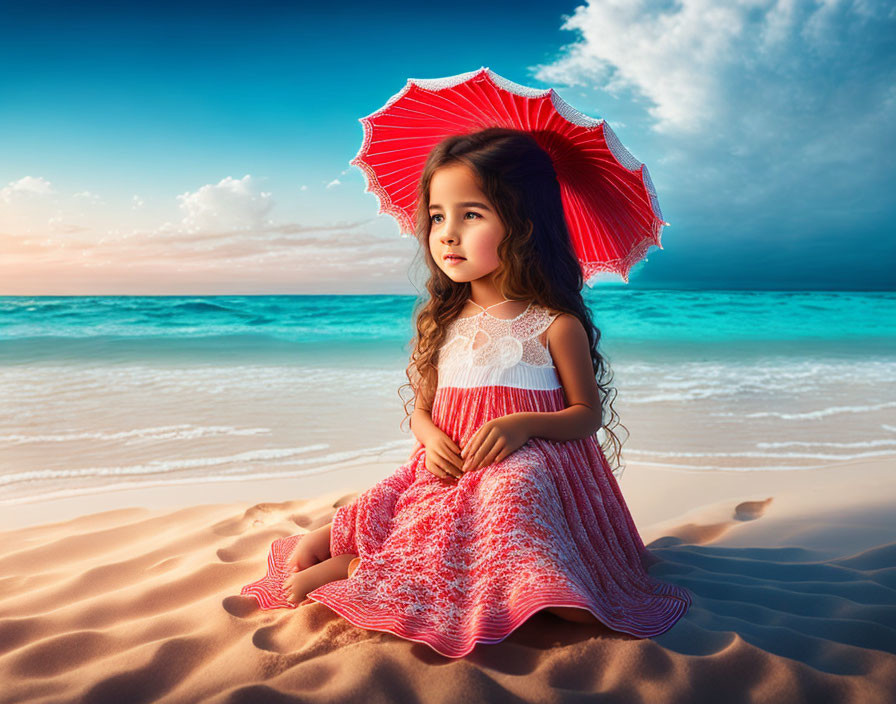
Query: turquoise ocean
{"type": "Point", "coordinates": [106, 392]}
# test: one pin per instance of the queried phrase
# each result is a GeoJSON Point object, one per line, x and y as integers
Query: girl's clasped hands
{"type": "Point", "coordinates": [492, 442]}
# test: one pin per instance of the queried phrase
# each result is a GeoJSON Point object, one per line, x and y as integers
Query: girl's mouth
{"type": "Point", "coordinates": [453, 259]}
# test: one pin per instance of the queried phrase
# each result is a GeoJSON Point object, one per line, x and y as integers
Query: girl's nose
{"type": "Point", "coordinates": [448, 233]}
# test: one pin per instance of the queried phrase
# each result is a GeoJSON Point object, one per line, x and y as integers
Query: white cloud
{"type": "Point", "coordinates": [231, 204]}
{"type": "Point", "coordinates": [27, 185]}
{"type": "Point", "coordinates": [334, 182]}
{"type": "Point", "coordinates": [699, 62]}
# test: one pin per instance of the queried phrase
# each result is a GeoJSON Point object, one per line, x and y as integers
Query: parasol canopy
{"type": "Point", "coordinates": [609, 201]}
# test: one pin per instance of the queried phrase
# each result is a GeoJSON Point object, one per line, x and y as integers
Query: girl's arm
{"type": "Point", "coordinates": [421, 419]}
{"type": "Point", "coordinates": [422, 426]}
{"type": "Point", "coordinates": [583, 417]}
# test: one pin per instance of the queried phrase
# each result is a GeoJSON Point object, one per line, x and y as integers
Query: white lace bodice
{"type": "Point", "coordinates": [485, 350]}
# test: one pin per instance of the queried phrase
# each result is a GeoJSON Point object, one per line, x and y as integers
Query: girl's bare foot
{"type": "Point", "coordinates": [298, 584]}
{"type": "Point", "coordinates": [311, 549]}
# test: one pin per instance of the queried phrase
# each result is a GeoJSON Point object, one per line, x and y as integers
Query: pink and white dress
{"type": "Point", "coordinates": [455, 564]}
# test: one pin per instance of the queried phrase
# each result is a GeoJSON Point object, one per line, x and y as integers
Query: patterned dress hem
{"type": "Point", "coordinates": [497, 633]}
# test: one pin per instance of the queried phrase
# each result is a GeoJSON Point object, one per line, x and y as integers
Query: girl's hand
{"type": "Point", "coordinates": [443, 457]}
{"type": "Point", "coordinates": [494, 441]}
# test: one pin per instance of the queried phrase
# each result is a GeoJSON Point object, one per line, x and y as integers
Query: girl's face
{"type": "Point", "coordinates": [463, 222]}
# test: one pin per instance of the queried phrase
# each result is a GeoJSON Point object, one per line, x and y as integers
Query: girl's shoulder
{"type": "Point", "coordinates": [563, 318]}
{"type": "Point", "coordinates": [558, 324]}
{"type": "Point", "coordinates": [550, 314]}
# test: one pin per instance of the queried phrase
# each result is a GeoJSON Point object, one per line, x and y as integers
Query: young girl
{"type": "Point", "coordinates": [508, 505]}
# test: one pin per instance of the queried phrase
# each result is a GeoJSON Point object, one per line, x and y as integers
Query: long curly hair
{"type": "Point", "coordinates": [537, 258]}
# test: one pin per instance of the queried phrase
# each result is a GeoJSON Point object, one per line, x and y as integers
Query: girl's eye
{"type": "Point", "coordinates": [469, 212]}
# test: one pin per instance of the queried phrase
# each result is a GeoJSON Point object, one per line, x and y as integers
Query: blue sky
{"type": "Point", "coordinates": [203, 148]}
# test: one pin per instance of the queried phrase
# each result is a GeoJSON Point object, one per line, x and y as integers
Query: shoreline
{"type": "Point", "coordinates": [654, 495]}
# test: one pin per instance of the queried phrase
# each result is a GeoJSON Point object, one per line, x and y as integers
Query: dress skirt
{"type": "Point", "coordinates": [454, 564]}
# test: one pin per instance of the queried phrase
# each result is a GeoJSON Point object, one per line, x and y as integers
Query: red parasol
{"type": "Point", "coordinates": [610, 204]}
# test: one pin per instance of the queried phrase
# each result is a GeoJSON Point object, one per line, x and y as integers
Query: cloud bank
{"type": "Point", "coordinates": [771, 124]}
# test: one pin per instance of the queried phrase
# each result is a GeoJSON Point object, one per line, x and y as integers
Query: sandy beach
{"type": "Point", "coordinates": [132, 596]}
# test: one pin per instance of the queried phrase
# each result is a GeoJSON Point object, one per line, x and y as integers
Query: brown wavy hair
{"type": "Point", "coordinates": [538, 261]}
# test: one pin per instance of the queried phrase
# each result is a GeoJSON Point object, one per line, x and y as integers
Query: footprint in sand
{"type": "Point", "coordinates": [257, 515]}
{"type": "Point", "coordinates": [302, 520]}
{"type": "Point", "coordinates": [751, 510]}
{"type": "Point", "coordinates": [240, 606]}
{"type": "Point", "coordinates": [702, 533]}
